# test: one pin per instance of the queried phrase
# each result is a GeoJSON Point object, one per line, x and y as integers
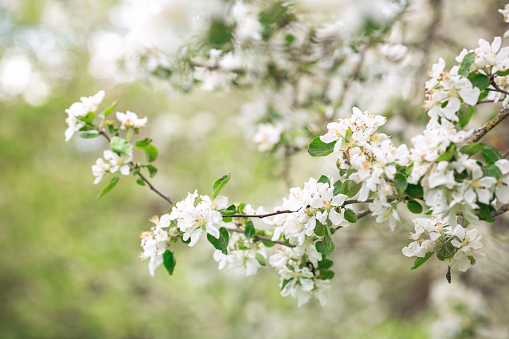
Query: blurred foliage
{"type": "Point", "coordinates": [69, 267]}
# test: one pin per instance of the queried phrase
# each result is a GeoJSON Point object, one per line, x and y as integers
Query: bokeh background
{"type": "Point", "coordinates": [68, 261]}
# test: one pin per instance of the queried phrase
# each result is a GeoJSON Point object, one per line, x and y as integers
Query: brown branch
{"type": "Point", "coordinates": [261, 216]}
{"type": "Point", "coordinates": [132, 166]}
{"type": "Point", "coordinates": [497, 89]}
{"type": "Point", "coordinates": [501, 210]}
{"type": "Point", "coordinates": [363, 213]}
{"type": "Point", "coordinates": [261, 238]}
{"type": "Point", "coordinates": [483, 130]}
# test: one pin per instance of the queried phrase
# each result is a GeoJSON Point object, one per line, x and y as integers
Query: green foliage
{"type": "Point", "coordinates": [261, 259]}
{"type": "Point", "coordinates": [109, 187]}
{"type": "Point", "coordinates": [465, 114]}
{"type": "Point", "coordinates": [490, 154]}
{"type": "Point", "coordinates": [326, 245]}
{"type": "Point", "coordinates": [169, 261]}
{"type": "Point", "coordinates": [249, 230]}
{"type": "Point", "coordinates": [219, 34]}
{"type": "Point", "coordinates": [471, 149]}
{"type": "Point", "coordinates": [479, 80]}
{"type": "Point", "coordinates": [414, 191]}
{"type": "Point", "coordinates": [492, 171]}
{"type": "Point", "coordinates": [324, 179]}
{"type": "Point", "coordinates": [108, 110]}
{"type": "Point", "coordinates": [350, 188]}
{"type": "Point", "coordinates": [337, 187]}
{"type": "Point", "coordinates": [419, 261]}
{"type": "Point", "coordinates": [317, 148]}
{"type": "Point", "coordinates": [89, 135]}
{"type": "Point", "coordinates": [350, 216]}
{"type": "Point", "coordinates": [220, 243]}
{"type": "Point", "coordinates": [468, 60]}
{"type": "Point", "coordinates": [400, 182]}
{"type": "Point", "coordinates": [448, 154]}
{"type": "Point", "coordinates": [121, 146]}
{"type": "Point", "coordinates": [320, 229]}
{"type": "Point", "coordinates": [219, 184]}
{"type": "Point", "coordinates": [414, 207]}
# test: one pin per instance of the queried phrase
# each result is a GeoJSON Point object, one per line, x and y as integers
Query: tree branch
{"type": "Point", "coordinates": [483, 130]}
{"type": "Point", "coordinates": [501, 210]}
{"type": "Point", "coordinates": [261, 238]}
{"type": "Point", "coordinates": [261, 216]}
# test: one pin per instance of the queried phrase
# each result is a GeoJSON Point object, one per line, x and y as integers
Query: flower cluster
{"type": "Point", "coordinates": [451, 244]}
{"type": "Point", "coordinates": [114, 163]}
{"type": "Point", "coordinates": [79, 110]}
{"type": "Point", "coordinates": [197, 213]}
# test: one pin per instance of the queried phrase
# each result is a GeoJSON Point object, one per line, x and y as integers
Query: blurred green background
{"type": "Point", "coordinates": [69, 266]}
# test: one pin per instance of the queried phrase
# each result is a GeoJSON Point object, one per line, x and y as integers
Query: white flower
{"type": "Point", "coordinates": [81, 109]}
{"type": "Point", "coordinates": [118, 163]}
{"type": "Point", "coordinates": [99, 170]}
{"type": "Point", "coordinates": [154, 246]}
{"type": "Point", "coordinates": [130, 119]}
{"type": "Point", "coordinates": [267, 136]}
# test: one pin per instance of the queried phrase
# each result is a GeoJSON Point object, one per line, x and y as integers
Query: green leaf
{"type": "Point", "coordinates": [320, 229]}
{"type": "Point", "coordinates": [109, 187]}
{"type": "Point", "coordinates": [325, 264]}
{"type": "Point", "coordinates": [414, 207]}
{"type": "Point", "coordinates": [468, 60]}
{"type": "Point", "coordinates": [326, 275]}
{"type": "Point", "coordinates": [350, 216]}
{"type": "Point", "coordinates": [219, 33]}
{"type": "Point", "coordinates": [268, 244]}
{"type": "Point", "coordinates": [140, 182]}
{"type": "Point", "coordinates": [337, 187]}
{"type": "Point", "coordinates": [480, 81]}
{"type": "Point", "coordinates": [414, 191]}
{"type": "Point", "coordinates": [90, 135]}
{"type": "Point", "coordinates": [484, 211]}
{"type": "Point", "coordinates": [465, 114]}
{"type": "Point", "coordinates": [261, 259]}
{"type": "Point", "coordinates": [150, 152]}
{"type": "Point", "coordinates": [448, 154]}
{"type": "Point", "coordinates": [325, 246]}
{"type": "Point", "coordinates": [471, 149]}
{"type": "Point", "coordinates": [249, 230]}
{"type": "Point", "coordinates": [152, 170]}
{"type": "Point", "coordinates": [169, 261]}
{"type": "Point", "coordinates": [350, 188]}
{"type": "Point", "coordinates": [109, 109]}
{"type": "Point", "coordinates": [317, 148]}
{"type": "Point", "coordinates": [221, 243]}
{"type": "Point", "coordinates": [491, 171]}
{"type": "Point", "coordinates": [409, 169]}
{"type": "Point", "coordinates": [503, 73]}
{"type": "Point", "coordinates": [419, 261]}
{"type": "Point", "coordinates": [141, 144]}
{"type": "Point", "coordinates": [121, 146]}
{"type": "Point", "coordinates": [219, 184]}
{"type": "Point", "coordinates": [400, 182]}
{"type": "Point", "coordinates": [490, 154]}
{"type": "Point", "coordinates": [324, 179]}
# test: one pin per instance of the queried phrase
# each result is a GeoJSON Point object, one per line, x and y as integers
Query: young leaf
{"type": "Point", "coordinates": [141, 144]}
{"type": "Point", "coordinates": [108, 187]}
{"type": "Point", "coordinates": [325, 246]}
{"type": "Point", "coordinates": [479, 80]}
{"type": "Point", "coordinates": [465, 114]}
{"type": "Point", "coordinates": [414, 207]}
{"type": "Point", "coordinates": [491, 171]}
{"type": "Point", "coordinates": [90, 135]}
{"type": "Point", "coordinates": [261, 259]}
{"type": "Point", "coordinates": [249, 230]}
{"type": "Point", "coordinates": [448, 154]}
{"type": "Point", "coordinates": [150, 152]}
{"type": "Point", "coordinates": [120, 146]}
{"type": "Point", "coordinates": [419, 261]}
{"type": "Point", "coordinates": [221, 243]}
{"type": "Point", "coordinates": [324, 179]}
{"type": "Point", "coordinates": [350, 188]}
{"type": "Point", "coordinates": [490, 154]}
{"type": "Point", "coordinates": [468, 60]}
{"type": "Point", "coordinates": [414, 191]}
{"type": "Point", "coordinates": [471, 149]}
{"type": "Point", "coordinates": [400, 182]}
{"type": "Point", "coordinates": [169, 261]}
{"type": "Point", "coordinates": [325, 264]}
{"type": "Point", "coordinates": [320, 229]}
{"type": "Point", "coordinates": [109, 109]}
{"type": "Point", "coordinates": [317, 148]}
{"type": "Point", "coordinates": [337, 187]}
{"type": "Point", "coordinates": [350, 216]}
{"type": "Point", "coordinates": [152, 170]}
{"type": "Point", "coordinates": [140, 182]}
{"type": "Point", "coordinates": [219, 184]}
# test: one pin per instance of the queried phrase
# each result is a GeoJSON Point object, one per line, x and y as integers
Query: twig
{"type": "Point", "coordinates": [363, 213]}
{"type": "Point", "coordinates": [261, 216]}
{"type": "Point", "coordinates": [262, 238]}
{"type": "Point", "coordinates": [501, 210]}
{"type": "Point", "coordinates": [132, 165]}
{"type": "Point", "coordinates": [483, 130]}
